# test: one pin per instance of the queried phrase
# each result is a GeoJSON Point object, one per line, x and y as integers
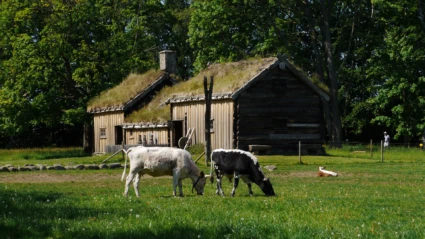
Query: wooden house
{"type": "Point", "coordinates": [111, 108]}
{"type": "Point", "coordinates": [262, 105]}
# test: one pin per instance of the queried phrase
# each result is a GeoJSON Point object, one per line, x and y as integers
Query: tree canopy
{"type": "Point", "coordinates": [57, 55]}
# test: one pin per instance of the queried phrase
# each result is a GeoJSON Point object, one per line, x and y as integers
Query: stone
{"type": "Point", "coordinates": [58, 167]}
{"type": "Point", "coordinates": [114, 165]}
{"type": "Point", "coordinates": [91, 166]}
{"type": "Point", "coordinates": [79, 166]}
{"type": "Point", "coordinates": [103, 166]}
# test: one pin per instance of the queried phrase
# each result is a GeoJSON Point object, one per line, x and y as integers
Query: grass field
{"type": "Point", "coordinates": [369, 199]}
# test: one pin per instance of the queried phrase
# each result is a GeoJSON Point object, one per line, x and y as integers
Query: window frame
{"type": "Point", "coordinates": [102, 132]}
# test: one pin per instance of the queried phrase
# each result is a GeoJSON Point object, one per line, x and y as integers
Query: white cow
{"type": "Point", "coordinates": [161, 161]}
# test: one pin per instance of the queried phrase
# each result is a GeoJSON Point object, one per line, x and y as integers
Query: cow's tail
{"type": "Point", "coordinates": [125, 163]}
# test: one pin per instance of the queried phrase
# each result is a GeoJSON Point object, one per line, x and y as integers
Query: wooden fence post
{"type": "Point", "coordinates": [371, 146]}
{"type": "Point", "coordinates": [208, 99]}
{"type": "Point", "coordinates": [382, 151]}
{"type": "Point", "coordinates": [299, 151]}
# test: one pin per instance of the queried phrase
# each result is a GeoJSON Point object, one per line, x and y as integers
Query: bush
{"type": "Point", "coordinates": [196, 149]}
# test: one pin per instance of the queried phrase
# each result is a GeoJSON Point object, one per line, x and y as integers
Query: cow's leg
{"type": "Point", "coordinates": [249, 189]}
{"type": "Point", "coordinates": [130, 178]}
{"type": "Point", "coordinates": [176, 176]}
{"type": "Point", "coordinates": [180, 188]}
{"type": "Point", "coordinates": [235, 183]}
{"type": "Point", "coordinates": [136, 181]}
{"type": "Point", "coordinates": [248, 182]}
{"type": "Point", "coordinates": [219, 189]}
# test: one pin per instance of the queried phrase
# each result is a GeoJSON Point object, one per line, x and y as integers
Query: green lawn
{"type": "Point", "coordinates": [369, 199]}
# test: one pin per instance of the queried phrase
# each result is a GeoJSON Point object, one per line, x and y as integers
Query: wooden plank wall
{"type": "Point", "coordinates": [280, 110]}
{"type": "Point", "coordinates": [108, 121]}
{"type": "Point", "coordinates": [159, 136]}
{"type": "Point", "coordinates": [221, 112]}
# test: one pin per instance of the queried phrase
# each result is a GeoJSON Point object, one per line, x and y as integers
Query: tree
{"type": "Point", "coordinates": [222, 31]}
{"type": "Point", "coordinates": [398, 64]}
{"type": "Point", "coordinates": [57, 55]}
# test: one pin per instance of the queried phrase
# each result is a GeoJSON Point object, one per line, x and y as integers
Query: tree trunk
{"type": "Point", "coordinates": [421, 14]}
{"type": "Point", "coordinates": [88, 137]}
{"type": "Point", "coordinates": [318, 65]}
{"type": "Point", "coordinates": [327, 42]}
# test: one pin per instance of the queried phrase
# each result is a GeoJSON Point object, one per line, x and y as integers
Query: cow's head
{"type": "Point", "coordinates": [266, 187]}
{"type": "Point", "coordinates": [200, 183]}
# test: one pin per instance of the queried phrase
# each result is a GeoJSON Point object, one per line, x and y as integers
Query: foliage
{"type": "Point", "coordinates": [398, 64]}
{"type": "Point", "coordinates": [13, 156]}
{"type": "Point", "coordinates": [219, 31]}
{"type": "Point", "coordinates": [57, 55]}
{"type": "Point", "coordinates": [196, 149]}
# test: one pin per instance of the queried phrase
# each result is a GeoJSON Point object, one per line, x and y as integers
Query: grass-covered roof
{"type": "Point", "coordinates": [121, 94]}
{"type": "Point", "coordinates": [228, 78]}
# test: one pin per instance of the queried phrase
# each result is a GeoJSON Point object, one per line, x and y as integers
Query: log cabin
{"type": "Point", "coordinates": [262, 105]}
{"type": "Point", "coordinates": [111, 108]}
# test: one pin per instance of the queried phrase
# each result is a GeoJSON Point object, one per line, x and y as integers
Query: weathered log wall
{"type": "Point", "coordinates": [221, 114]}
{"type": "Point", "coordinates": [147, 136]}
{"type": "Point", "coordinates": [280, 110]}
{"type": "Point", "coordinates": [107, 122]}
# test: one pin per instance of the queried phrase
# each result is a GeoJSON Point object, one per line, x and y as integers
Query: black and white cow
{"type": "Point", "coordinates": [160, 161]}
{"type": "Point", "coordinates": [238, 163]}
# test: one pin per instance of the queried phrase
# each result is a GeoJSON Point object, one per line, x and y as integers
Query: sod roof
{"type": "Point", "coordinates": [119, 96]}
{"type": "Point", "coordinates": [228, 78]}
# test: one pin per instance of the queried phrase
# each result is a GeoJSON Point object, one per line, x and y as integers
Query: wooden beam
{"type": "Point", "coordinates": [112, 156]}
{"type": "Point", "coordinates": [208, 99]}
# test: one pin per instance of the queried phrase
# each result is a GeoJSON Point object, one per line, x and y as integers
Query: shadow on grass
{"type": "Point", "coordinates": [49, 214]}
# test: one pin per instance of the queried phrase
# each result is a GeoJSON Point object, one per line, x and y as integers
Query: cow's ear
{"type": "Point", "coordinates": [202, 174]}
{"type": "Point", "coordinates": [265, 179]}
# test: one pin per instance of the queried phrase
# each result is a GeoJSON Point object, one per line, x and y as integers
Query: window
{"type": "Point", "coordinates": [102, 133]}
{"type": "Point", "coordinates": [212, 125]}
{"type": "Point", "coordinates": [131, 136]}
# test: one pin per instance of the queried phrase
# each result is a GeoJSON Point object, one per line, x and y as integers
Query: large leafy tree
{"type": "Point", "coordinates": [222, 30]}
{"type": "Point", "coordinates": [399, 66]}
{"type": "Point", "coordinates": [176, 25]}
{"type": "Point", "coordinates": [58, 54]}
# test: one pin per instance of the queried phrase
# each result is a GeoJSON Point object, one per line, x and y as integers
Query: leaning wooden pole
{"type": "Point", "coordinates": [208, 99]}
{"type": "Point", "coordinates": [123, 150]}
{"type": "Point", "coordinates": [112, 156]}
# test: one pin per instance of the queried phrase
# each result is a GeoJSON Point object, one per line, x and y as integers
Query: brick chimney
{"type": "Point", "coordinates": [167, 61]}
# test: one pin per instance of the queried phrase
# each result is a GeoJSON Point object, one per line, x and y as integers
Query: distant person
{"type": "Point", "coordinates": [386, 140]}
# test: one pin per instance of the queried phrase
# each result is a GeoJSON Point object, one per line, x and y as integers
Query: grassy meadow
{"type": "Point", "coordinates": [369, 199]}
